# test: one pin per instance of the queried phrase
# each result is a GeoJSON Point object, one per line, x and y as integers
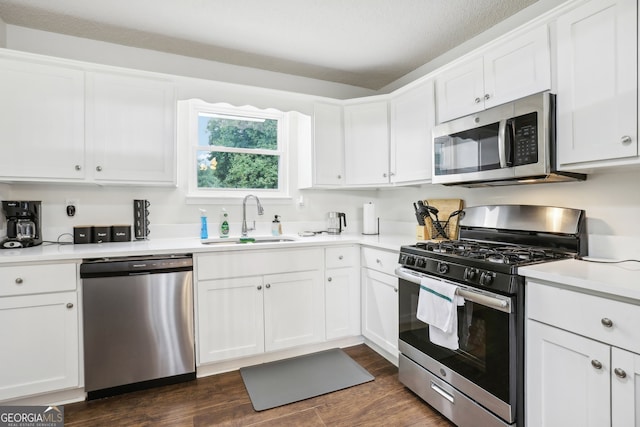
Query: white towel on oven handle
{"type": "Point", "coordinates": [438, 303]}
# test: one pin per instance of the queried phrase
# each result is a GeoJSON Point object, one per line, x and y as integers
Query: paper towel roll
{"type": "Point", "coordinates": [369, 219]}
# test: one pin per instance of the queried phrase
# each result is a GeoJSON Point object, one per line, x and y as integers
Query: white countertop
{"type": "Point", "coordinates": [70, 252]}
{"type": "Point", "coordinates": [621, 280]}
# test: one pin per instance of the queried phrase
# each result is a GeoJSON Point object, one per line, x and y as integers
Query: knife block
{"type": "Point", "coordinates": [422, 232]}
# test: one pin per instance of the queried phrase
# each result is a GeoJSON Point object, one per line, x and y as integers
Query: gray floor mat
{"type": "Point", "coordinates": [291, 380]}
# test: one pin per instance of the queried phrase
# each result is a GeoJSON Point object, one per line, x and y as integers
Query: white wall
{"type": "Point", "coordinates": [69, 47]}
{"type": "Point", "coordinates": [3, 33]}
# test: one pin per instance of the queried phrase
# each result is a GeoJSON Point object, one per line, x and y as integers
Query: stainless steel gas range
{"type": "Point", "coordinates": [480, 382]}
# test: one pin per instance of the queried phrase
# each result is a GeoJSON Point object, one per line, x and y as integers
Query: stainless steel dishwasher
{"type": "Point", "coordinates": [138, 323]}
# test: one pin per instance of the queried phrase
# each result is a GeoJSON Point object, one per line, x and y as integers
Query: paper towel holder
{"type": "Point", "coordinates": [377, 229]}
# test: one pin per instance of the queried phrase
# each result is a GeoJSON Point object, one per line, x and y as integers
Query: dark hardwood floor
{"type": "Point", "coordinates": [221, 400]}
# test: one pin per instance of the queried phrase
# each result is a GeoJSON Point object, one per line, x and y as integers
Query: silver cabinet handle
{"type": "Point", "coordinates": [596, 364]}
{"type": "Point", "coordinates": [626, 140]}
{"type": "Point", "coordinates": [69, 305]}
{"type": "Point", "coordinates": [268, 286]}
{"type": "Point", "coordinates": [620, 373]}
{"type": "Point", "coordinates": [487, 96]}
{"type": "Point", "coordinates": [19, 281]}
{"type": "Point", "coordinates": [477, 100]}
{"type": "Point", "coordinates": [329, 279]}
{"type": "Point", "coordinates": [99, 168]}
{"type": "Point", "coordinates": [606, 322]}
{"type": "Point", "coordinates": [259, 287]}
{"type": "Point", "coordinates": [78, 167]}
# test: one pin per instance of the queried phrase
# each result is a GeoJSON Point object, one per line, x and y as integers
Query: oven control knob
{"type": "Point", "coordinates": [411, 260]}
{"type": "Point", "coordinates": [486, 279]}
{"type": "Point", "coordinates": [470, 273]}
{"type": "Point", "coordinates": [442, 268]}
{"type": "Point", "coordinates": [421, 262]}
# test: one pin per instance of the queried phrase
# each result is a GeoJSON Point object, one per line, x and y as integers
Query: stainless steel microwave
{"type": "Point", "coordinates": [509, 144]}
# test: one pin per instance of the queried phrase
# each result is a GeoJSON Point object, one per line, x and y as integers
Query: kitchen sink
{"type": "Point", "coordinates": [248, 240]}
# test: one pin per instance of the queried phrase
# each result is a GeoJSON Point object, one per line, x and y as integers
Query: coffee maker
{"type": "Point", "coordinates": [24, 219]}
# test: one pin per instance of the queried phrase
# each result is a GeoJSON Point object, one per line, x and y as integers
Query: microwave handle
{"type": "Point", "coordinates": [503, 142]}
{"type": "Point", "coordinates": [509, 142]}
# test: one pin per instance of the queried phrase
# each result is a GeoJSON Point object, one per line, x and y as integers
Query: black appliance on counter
{"type": "Point", "coordinates": [24, 222]}
{"type": "Point", "coordinates": [482, 382]}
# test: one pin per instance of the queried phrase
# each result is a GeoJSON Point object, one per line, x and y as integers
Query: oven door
{"type": "Point", "coordinates": [485, 365]}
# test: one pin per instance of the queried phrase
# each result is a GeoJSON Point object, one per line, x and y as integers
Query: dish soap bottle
{"type": "Point", "coordinates": [204, 234]}
{"type": "Point", "coordinates": [276, 227]}
{"type": "Point", "coordinates": [224, 223]}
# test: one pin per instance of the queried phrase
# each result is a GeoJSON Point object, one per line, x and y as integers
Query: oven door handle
{"type": "Point", "coordinates": [495, 302]}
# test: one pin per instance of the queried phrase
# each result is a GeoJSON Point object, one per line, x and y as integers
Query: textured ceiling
{"type": "Point", "coordinates": [365, 43]}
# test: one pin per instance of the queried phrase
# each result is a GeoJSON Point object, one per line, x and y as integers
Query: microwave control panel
{"type": "Point", "coordinates": [525, 139]}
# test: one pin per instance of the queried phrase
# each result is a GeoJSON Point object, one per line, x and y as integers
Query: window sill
{"type": "Point", "coordinates": [226, 199]}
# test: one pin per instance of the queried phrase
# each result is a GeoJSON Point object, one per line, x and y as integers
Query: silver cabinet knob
{"type": "Point", "coordinates": [259, 287]}
{"type": "Point", "coordinates": [69, 305]}
{"type": "Point", "coordinates": [78, 167]}
{"type": "Point", "coordinates": [596, 364]}
{"type": "Point", "coordinates": [487, 96]}
{"type": "Point", "coordinates": [620, 373]}
{"type": "Point", "coordinates": [384, 175]}
{"type": "Point", "coordinates": [626, 140]}
{"type": "Point", "coordinates": [477, 100]}
{"type": "Point", "coordinates": [339, 176]}
{"type": "Point", "coordinates": [19, 280]}
{"type": "Point", "coordinates": [341, 257]}
{"type": "Point", "coordinates": [606, 322]}
{"type": "Point", "coordinates": [378, 261]}
{"type": "Point", "coordinates": [329, 279]}
{"type": "Point", "coordinates": [395, 290]}
{"type": "Point", "coordinates": [99, 168]}
{"type": "Point", "coordinates": [268, 286]}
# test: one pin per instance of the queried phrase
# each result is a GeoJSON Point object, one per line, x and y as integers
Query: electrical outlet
{"type": "Point", "coordinates": [71, 206]}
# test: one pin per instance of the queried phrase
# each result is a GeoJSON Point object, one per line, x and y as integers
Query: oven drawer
{"type": "Point", "coordinates": [456, 406]}
{"type": "Point", "coordinates": [380, 260]}
{"type": "Point", "coordinates": [602, 319]}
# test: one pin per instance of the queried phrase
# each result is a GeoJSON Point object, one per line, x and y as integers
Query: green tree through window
{"type": "Point", "coordinates": [242, 152]}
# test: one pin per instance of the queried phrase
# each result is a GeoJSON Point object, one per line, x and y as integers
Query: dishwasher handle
{"type": "Point", "coordinates": [128, 266]}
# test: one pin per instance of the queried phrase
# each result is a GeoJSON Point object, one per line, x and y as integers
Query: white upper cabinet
{"type": "Point", "coordinates": [41, 121]}
{"type": "Point", "coordinates": [412, 119]}
{"type": "Point", "coordinates": [597, 83]}
{"type": "Point", "coordinates": [366, 135]}
{"type": "Point", "coordinates": [130, 126]}
{"type": "Point", "coordinates": [512, 69]}
{"type": "Point", "coordinates": [328, 145]}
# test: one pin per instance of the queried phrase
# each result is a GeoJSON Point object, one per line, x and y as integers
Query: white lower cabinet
{"type": "Point", "coordinates": [342, 292]}
{"type": "Point", "coordinates": [380, 299]}
{"type": "Point", "coordinates": [39, 351]}
{"type": "Point", "coordinates": [241, 315]}
{"type": "Point", "coordinates": [576, 372]}
{"type": "Point", "coordinates": [39, 341]}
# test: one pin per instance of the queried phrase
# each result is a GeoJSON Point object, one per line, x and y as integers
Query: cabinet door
{"type": "Point", "coordinates": [131, 127]}
{"type": "Point", "coordinates": [342, 294]}
{"type": "Point", "coordinates": [41, 121]}
{"type": "Point", "coordinates": [328, 146]}
{"type": "Point", "coordinates": [39, 351]}
{"type": "Point", "coordinates": [460, 90]}
{"type": "Point", "coordinates": [380, 310]}
{"type": "Point", "coordinates": [625, 388]}
{"type": "Point", "coordinates": [517, 68]}
{"type": "Point", "coordinates": [293, 309]}
{"type": "Point", "coordinates": [412, 119]}
{"type": "Point", "coordinates": [564, 385]}
{"type": "Point", "coordinates": [597, 86]}
{"type": "Point", "coordinates": [366, 132]}
{"type": "Point", "coordinates": [230, 318]}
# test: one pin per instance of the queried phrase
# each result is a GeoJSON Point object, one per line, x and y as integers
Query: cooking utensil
{"type": "Point", "coordinates": [436, 222]}
{"type": "Point", "coordinates": [419, 215]}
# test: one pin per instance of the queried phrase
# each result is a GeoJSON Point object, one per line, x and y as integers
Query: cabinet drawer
{"type": "Point", "coordinates": [585, 314]}
{"type": "Point", "coordinates": [380, 260]}
{"type": "Point", "coordinates": [35, 279]}
{"type": "Point", "coordinates": [257, 262]}
{"type": "Point", "coordinates": [342, 256]}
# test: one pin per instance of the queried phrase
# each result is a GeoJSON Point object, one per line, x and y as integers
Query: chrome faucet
{"type": "Point", "coordinates": [245, 229]}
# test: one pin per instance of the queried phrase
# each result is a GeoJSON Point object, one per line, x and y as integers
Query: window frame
{"type": "Point", "coordinates": [197, 107]}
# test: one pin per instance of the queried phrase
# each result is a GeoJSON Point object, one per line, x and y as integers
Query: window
{"type": "Point", "coordinates": [236, 150]}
